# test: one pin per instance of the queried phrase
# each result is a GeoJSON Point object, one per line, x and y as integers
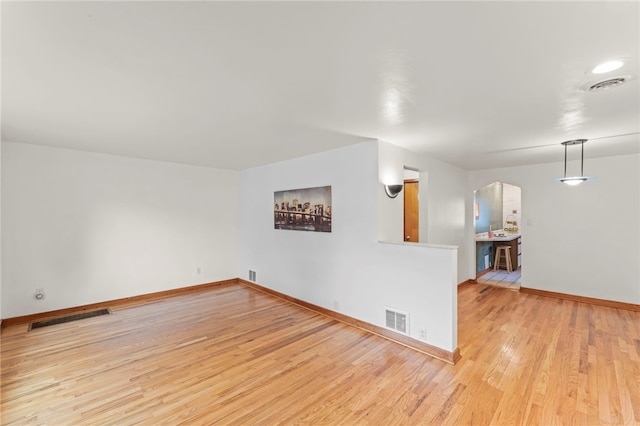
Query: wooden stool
{"type": "Point", "coordinates": [507, 253]}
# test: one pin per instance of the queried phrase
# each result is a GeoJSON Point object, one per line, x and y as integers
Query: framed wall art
{"type": "Point", "coordinates": [306, 209]}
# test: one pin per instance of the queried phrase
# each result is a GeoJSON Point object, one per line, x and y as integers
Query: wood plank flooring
{"type": "Point", "coordinates": [234, 355]}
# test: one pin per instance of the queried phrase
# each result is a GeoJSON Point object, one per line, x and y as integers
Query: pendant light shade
{"type": "Point", "coordinates": [574, 180]}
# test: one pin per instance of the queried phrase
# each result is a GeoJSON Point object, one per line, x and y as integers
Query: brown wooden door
{"type": "Point", "coordinates": [411, 210]}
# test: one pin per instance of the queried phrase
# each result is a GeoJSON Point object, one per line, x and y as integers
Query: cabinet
{"type": "Point", "coordinates": [515, 253]}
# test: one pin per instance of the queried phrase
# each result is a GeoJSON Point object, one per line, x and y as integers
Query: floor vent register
{"type": "Point", "coordinates": [68, 318]}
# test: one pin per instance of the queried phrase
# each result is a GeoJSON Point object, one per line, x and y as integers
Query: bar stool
{"type": "Point", "coordinates": [507, 254]}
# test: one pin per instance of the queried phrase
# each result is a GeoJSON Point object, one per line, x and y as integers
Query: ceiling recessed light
{"type": "Point", "coordinates": [607, 66]}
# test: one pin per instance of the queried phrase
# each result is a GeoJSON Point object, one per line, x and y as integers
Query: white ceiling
{"type": "Point", "coordinates": [239, 84]}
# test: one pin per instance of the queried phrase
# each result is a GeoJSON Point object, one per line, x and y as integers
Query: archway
{"type": "Point", "coordinates": [497, 214]}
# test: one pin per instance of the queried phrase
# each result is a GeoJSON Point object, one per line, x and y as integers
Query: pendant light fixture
{"type": "Point", "coordinates": [574, 180]}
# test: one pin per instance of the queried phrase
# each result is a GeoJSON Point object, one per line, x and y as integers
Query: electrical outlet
{"type": "Point", "coordinates": [39, 294]}
{"type": "Point", "coordinates": [199, 270]}
{"type": "Point", "coordinates": [336, 305]}
{"type": "Point", "coordinates": [423, 333]}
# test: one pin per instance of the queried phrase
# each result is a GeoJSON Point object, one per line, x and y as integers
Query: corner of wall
{"type": "Point", "coordinates": [1, 146]}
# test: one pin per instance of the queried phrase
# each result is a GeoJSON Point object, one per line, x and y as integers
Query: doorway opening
{"type": "Point", "coordinates": [411, 205]}
{"type": "Point", "coordinates": [498, 214]}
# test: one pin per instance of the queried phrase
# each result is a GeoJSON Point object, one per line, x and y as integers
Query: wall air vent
{"type": "Point", "coordinates": [397, 320]}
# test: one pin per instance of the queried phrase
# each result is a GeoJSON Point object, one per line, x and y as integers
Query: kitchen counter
{"type": "Point", "coordinates": [508, 236]}
{"type": "Point", "coordinates": [510, 239]}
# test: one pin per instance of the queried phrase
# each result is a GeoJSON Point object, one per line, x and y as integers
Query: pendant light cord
{"type": "Point", "coordinates": [581, 160]}
{"type": "Point", "coordinates": [565, 160]}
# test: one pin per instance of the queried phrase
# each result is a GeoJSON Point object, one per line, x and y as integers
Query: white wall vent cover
{"type": "Point", "coordinates": [397, 320]}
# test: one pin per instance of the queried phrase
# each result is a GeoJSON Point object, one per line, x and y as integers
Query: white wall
{"type": "Point", "coordinates": [391, 162]}
{"type": "Point", "coordinates": [1, 230]}
{"type": "Point", "coordinates": [582, 240]}
{"type": "Point", "coordinates": [511, 201]}
{"type": "Point", "coordinates": [92, 227]}
{"type": "Point", "coordinates": [443, 201]}
{"type": "Point", "coordinates": [346, 270]}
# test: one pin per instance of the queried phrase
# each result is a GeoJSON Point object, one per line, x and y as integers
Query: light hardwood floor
{"type": "Point", "coordinates": [234, 355]}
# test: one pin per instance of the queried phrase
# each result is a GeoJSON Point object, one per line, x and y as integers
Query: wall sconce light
{"type": "Point", "coordinates": [574, 180]}
{"type": "Point", "coordinates": [393, 190]}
